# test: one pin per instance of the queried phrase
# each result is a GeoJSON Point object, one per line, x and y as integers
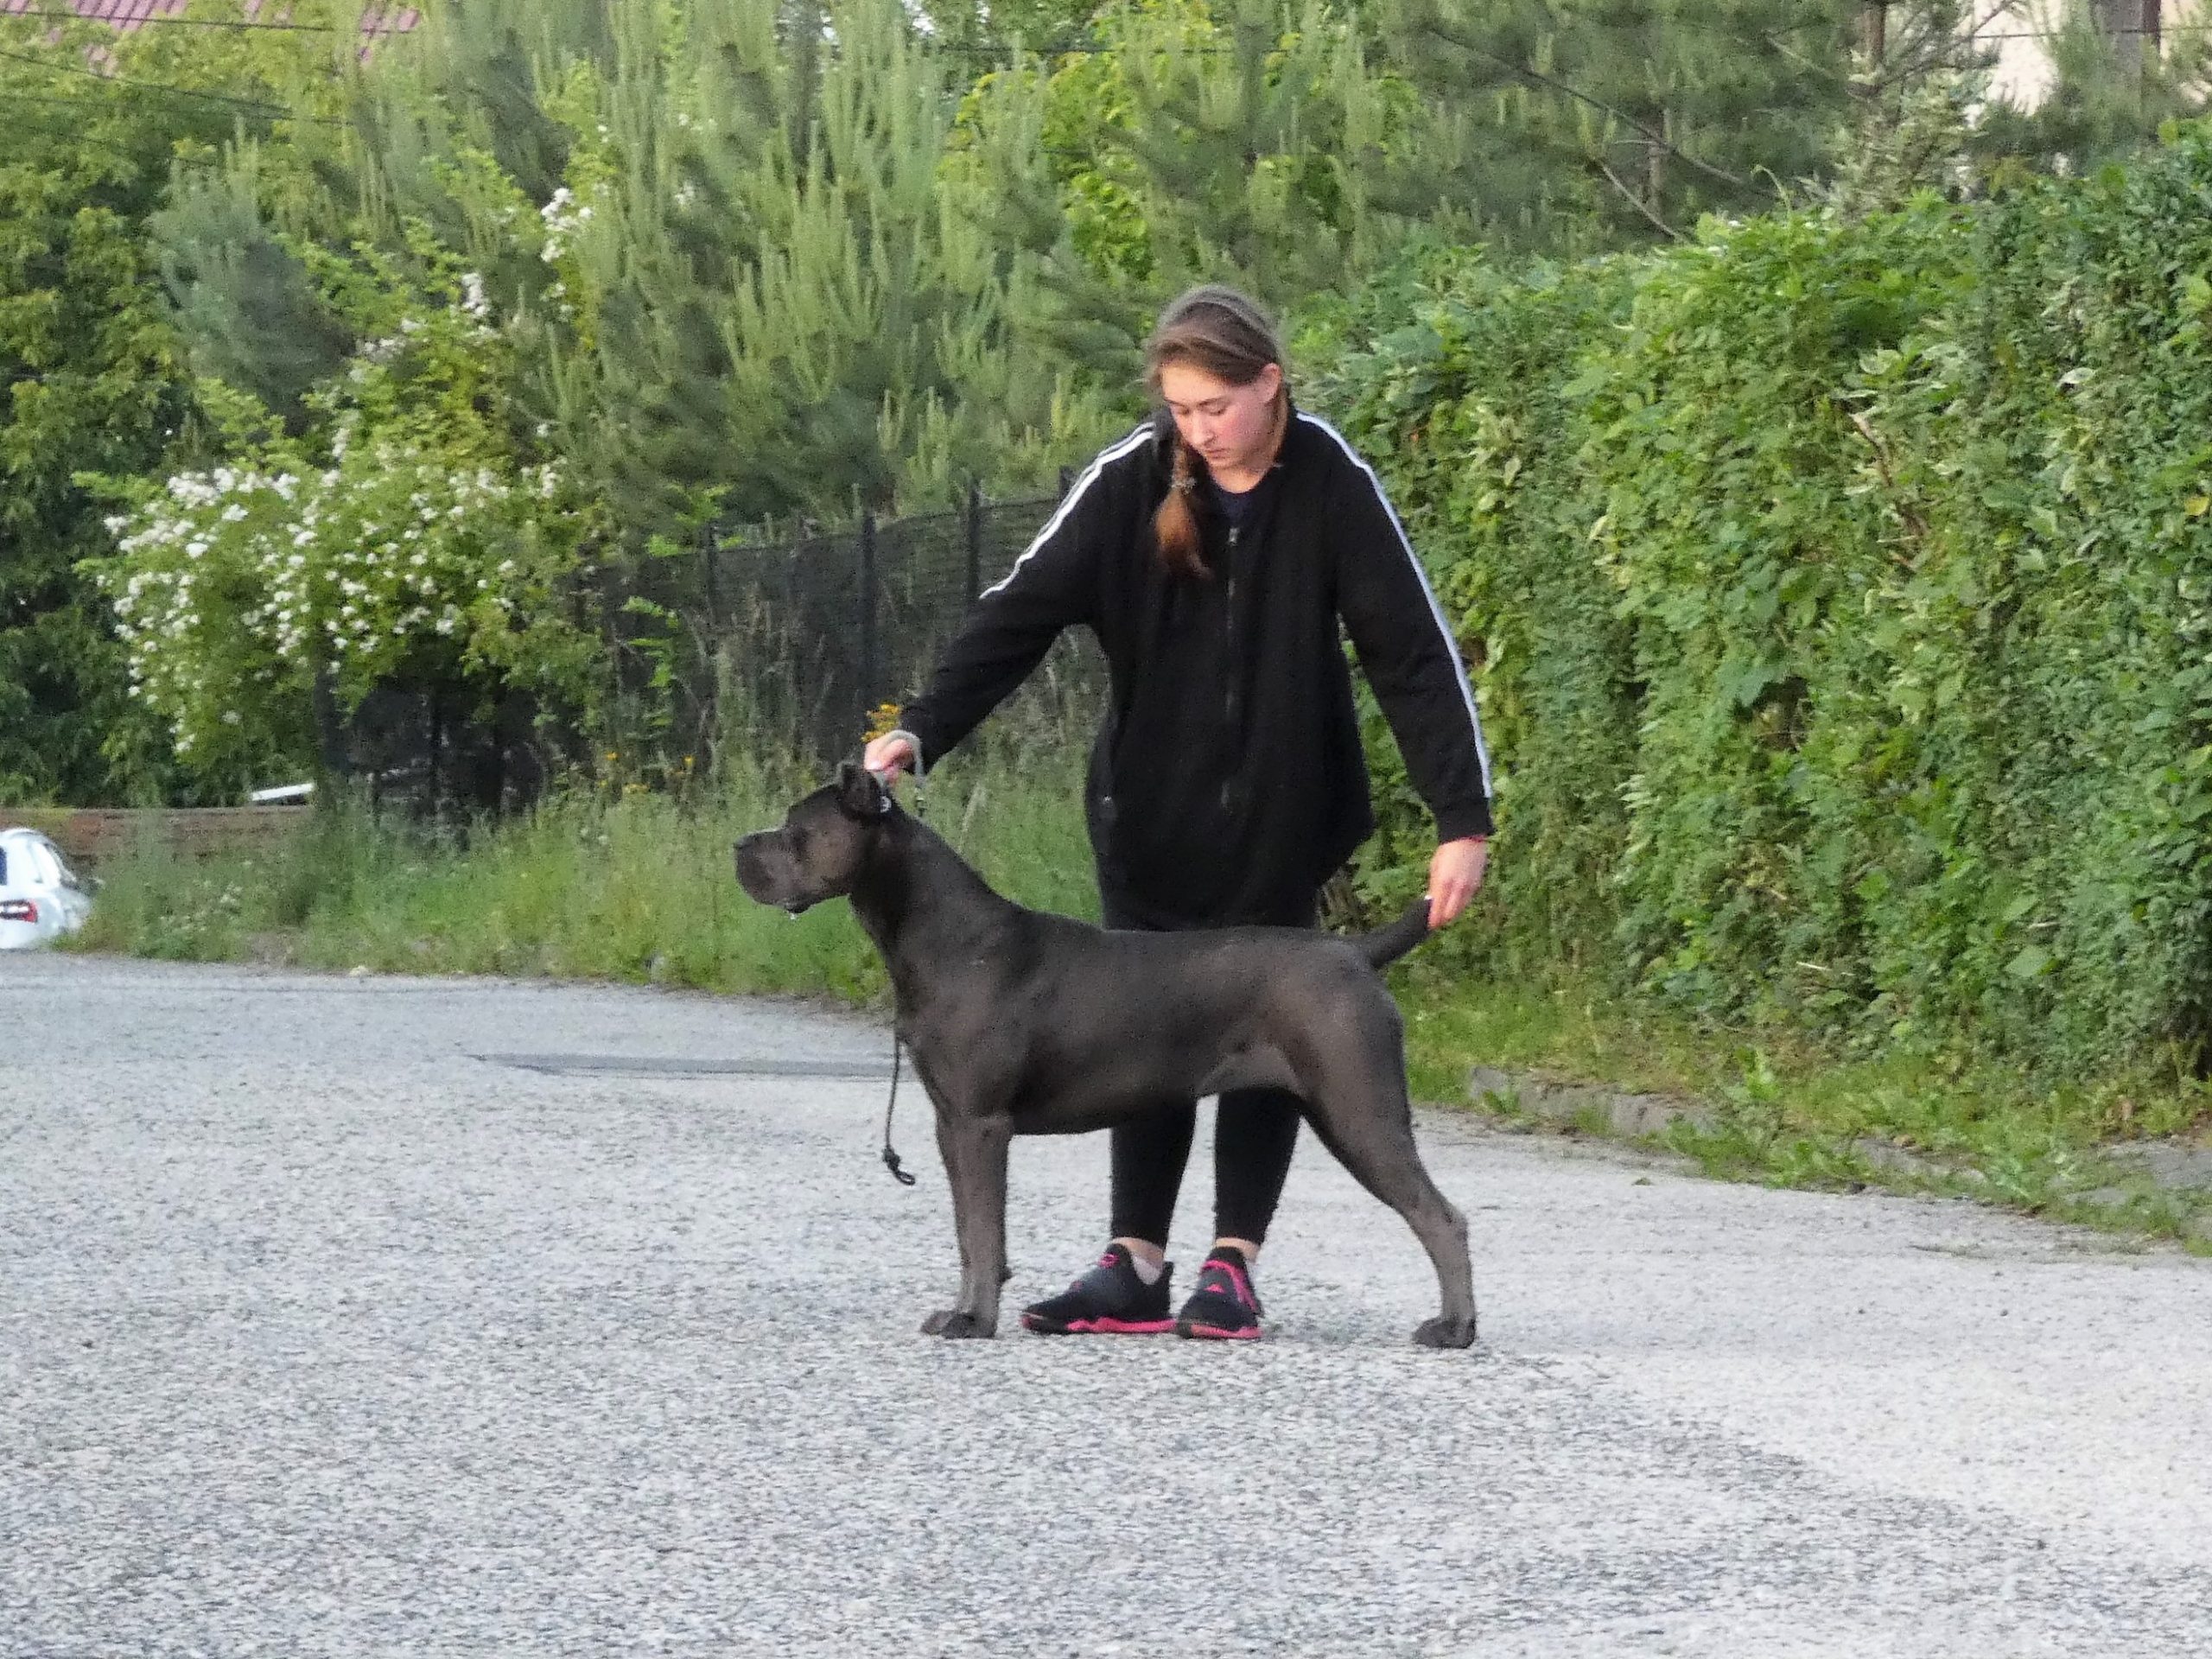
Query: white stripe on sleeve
{"type": "Point", "coordinates": [1435, 610]}
{"type": "Point", "coordinates": [1074, 493]}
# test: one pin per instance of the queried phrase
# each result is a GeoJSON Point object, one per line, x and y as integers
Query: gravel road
{"type": "Point", "coordinates": [444, 1317]}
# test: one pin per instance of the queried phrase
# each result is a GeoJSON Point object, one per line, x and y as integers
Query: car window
{"type": "Point", "coordinates": [57, 864]}
{"type": "Point", "coordinates": [4, 866]}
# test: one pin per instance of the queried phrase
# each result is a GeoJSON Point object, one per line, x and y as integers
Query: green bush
{"type": "Point", "coordinates": [1466, 405]}
{"type": "Point", "coordinates": [1838, 590]}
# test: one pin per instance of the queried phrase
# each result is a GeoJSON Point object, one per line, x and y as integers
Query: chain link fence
{"type": "Point", "coordinates": [790, 644]}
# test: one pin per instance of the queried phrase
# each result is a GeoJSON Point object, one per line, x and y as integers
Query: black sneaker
{"type": "Point", "coordinates": [1224, 1307]}
{"type": "Point", "coordinates": [1110, 1299]}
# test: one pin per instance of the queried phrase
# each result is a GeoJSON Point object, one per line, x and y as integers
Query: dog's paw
{"type": "Point", "coordinates": [1442, 1332]}
{"type": "Point", "coordinates": [952, 1323]}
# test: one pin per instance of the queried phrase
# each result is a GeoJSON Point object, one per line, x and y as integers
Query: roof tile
{"type": "Point", "coordinates": [128, 16]}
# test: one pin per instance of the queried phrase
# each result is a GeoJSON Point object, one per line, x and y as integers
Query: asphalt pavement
{"type": "Point", "coordinates": [364, 1316]}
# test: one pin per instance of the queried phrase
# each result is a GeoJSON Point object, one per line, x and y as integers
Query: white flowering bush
{"type": "Point", "coordinates": [410, 538]}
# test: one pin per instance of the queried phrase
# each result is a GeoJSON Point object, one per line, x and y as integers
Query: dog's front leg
{"type": "Point", "coordinates": [974, 1153]}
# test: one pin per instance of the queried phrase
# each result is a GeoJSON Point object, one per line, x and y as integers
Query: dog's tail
{"type": "Point", "coordinates": [1386, 944]}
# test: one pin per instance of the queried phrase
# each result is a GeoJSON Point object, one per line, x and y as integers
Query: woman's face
{"type": "Point", "coordinates": [1233, 427]}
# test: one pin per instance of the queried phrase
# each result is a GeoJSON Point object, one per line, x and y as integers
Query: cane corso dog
{"type": "Point", "coordinates": [1025, 1023]}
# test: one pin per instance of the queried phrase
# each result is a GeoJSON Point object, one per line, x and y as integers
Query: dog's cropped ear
{"type": "Point", "coordinates": [861, 792]}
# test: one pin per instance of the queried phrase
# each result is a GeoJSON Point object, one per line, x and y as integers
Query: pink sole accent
{"type": "Point", "coordinates": [1103, 1327]}
{"type": "Point", "coordinates": [1215, 1333]}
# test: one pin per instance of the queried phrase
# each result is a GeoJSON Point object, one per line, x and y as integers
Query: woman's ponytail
{"type": "Point", "coordinates": [1176, 525]}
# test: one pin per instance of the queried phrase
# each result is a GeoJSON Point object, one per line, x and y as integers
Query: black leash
{"type": "Point", "coordinates": [890, 1157]}
{"type": "Point", "coordinates": [921, 811]}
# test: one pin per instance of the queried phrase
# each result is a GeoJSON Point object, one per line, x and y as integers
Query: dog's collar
{"type": "Point", "coordinates": [921, 772]}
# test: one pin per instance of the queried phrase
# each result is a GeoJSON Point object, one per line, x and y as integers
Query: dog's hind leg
{"type": "Point", "coordinates": [975, 1152]}
{"type": "Point", "coordinates": [1361, 1114]}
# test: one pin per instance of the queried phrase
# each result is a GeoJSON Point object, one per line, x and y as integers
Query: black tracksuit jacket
{"type": "Point", "coordinates": [1228, 782]}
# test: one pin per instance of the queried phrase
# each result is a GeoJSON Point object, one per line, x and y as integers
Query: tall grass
{"type": "Point", "coordinates": [615, 882]}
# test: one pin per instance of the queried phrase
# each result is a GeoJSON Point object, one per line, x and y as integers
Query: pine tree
{"type": "Point", "coordinates": [242, 300]}
{"type": "Point", "coordinates": [1242, 141]}
{"type": "Point", "coordinates": [1594, 122]}
{"type": "Point", "coordinates": [722, 232]}
{"type": "Point", "coordinates": [1920, 78]}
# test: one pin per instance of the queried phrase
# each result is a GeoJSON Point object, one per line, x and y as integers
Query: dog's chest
{"type": "Point", "coordinates": [957, 1038]}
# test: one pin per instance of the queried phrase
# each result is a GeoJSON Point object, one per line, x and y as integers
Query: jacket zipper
{"type": "Point", "coordinates": [1229, 632]}
{"type": "Point", "coordinates": [1229, 648]}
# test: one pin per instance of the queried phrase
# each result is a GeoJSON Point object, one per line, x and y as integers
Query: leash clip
{"type": "Point", "coordinates": [921, 774]}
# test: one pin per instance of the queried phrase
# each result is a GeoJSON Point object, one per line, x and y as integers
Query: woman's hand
{"type": "Point", "coordinates": [1455, 876]}
{"type": "Point", "coordinates": [888, 755]}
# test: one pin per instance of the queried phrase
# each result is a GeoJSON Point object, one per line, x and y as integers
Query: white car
{"type": "Point", "coordinates": [40, 897]}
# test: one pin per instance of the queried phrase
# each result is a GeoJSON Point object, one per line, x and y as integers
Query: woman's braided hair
{"type": "Point", "coordinates": [1224, 333]}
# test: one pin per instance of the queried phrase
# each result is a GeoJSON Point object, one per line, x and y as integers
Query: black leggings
{"type": "Point", "coordinates": [1255, 1133]}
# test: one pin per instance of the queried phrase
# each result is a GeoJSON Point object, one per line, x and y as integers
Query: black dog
{"type": "Point", "coordinates": [1025, 1023]}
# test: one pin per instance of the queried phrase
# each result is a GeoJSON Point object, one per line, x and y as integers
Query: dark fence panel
{"type": "Point", "coordinates": [790, 643]}
{"type": "Point", "coordinates": [795, 642]}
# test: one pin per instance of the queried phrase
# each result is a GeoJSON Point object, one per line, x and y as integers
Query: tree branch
{"type": "Point", "coordinates": [1634, 200]}
{"type": "Point", "coordinates": [1437, 27]}
{"type": "Point", "coordinates": [1929, 49]}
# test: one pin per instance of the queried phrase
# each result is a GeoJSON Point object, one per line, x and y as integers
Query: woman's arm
{"type": "Point", "coordinates": [1052, 586]}
{"type": "Point", "coordinates": [1410, 658]}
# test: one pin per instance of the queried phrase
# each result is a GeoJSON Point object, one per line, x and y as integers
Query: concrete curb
{"type": "Point", "coordinates": [1586, 1106]}
{"type": "Point", "coordinates": [1597, 1108]}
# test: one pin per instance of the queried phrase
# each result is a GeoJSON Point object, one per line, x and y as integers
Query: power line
{"type": "Point", "coordinates": [79, 136]}
{"type": "Point", "coordinates": [1060, 49]}
{"type": "Point", "coordinates": [194, 22]}
{"type": "Point", "coordinates": [259, 105]}
{"type": "Point", "coordinates": [1070, 50]}
{"type": "Point", "coordinates": [8, 96]}
{"type": "Point", "coordinates": [2159, 34]}
{"type": "Point", "coordinates": [384, 25]}
{"type": "Point", "coordinates": [49, 98]}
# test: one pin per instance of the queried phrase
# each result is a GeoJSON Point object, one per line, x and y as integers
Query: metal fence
{"type": "Point", "coordinates": [796, 641]}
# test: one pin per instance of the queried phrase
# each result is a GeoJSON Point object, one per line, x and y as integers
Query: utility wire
{"type": "Point", "coordinates": [382, 26]}
{"type": "Point", "coordinates": [48, 97]}
{"type": "Point", "coordinates": [2159, 33]}
{"type": "Point", "coordinates": [372, 24]}
{"type": "Point", "coordinates": [259, 105]}
{"type": "Point", "coordinates": [78, 136]}
{"type": "Point", "coordinates": [1065, 49]}
{"type": "Point", "coordinates": [194, 22]}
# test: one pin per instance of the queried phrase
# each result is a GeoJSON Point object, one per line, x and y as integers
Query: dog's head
{"type": "Point", "coordinates": [823, 844]}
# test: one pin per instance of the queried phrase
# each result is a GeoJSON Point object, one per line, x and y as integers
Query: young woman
{"type": "Point", "coordinates": [1214, 551]}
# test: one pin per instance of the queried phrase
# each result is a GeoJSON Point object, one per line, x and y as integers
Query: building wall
{"type": "Point", "coordinates": [2023, 75]}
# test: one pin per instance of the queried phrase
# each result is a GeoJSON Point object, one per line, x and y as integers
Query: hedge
{"type": "Point", "coordinates": [1837, 592]}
